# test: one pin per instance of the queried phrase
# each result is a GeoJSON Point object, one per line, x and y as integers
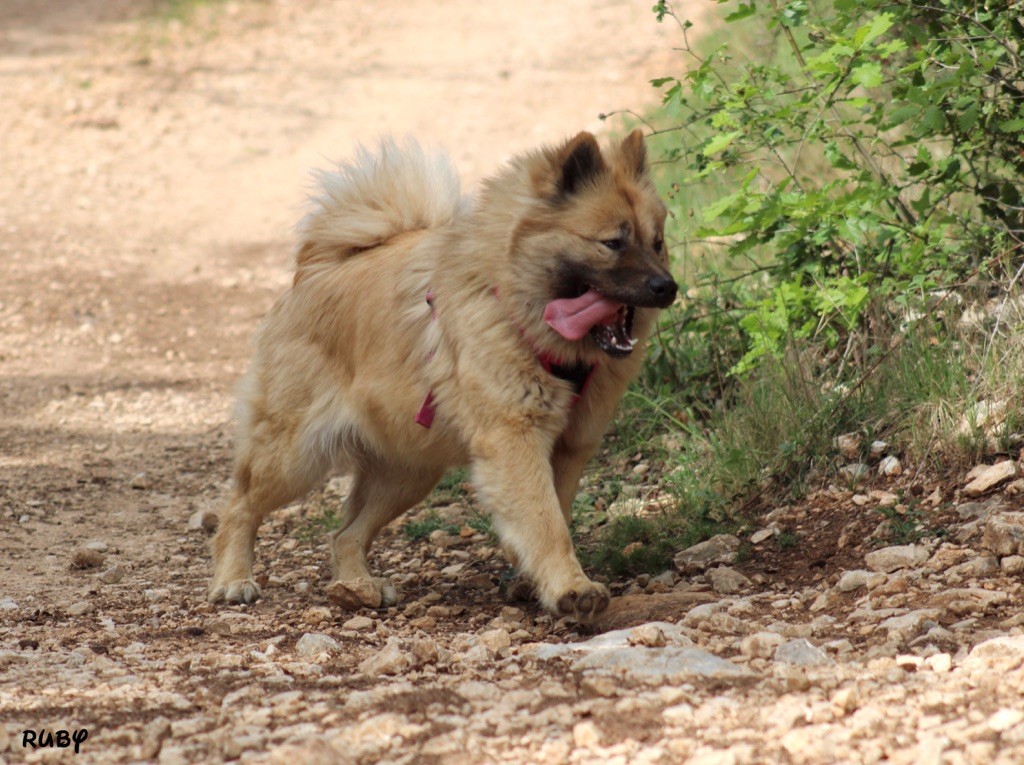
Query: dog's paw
{"type": "Point", "coordinates": [240, 591]}
{"type": "Point", "coordinates": [584, 602]}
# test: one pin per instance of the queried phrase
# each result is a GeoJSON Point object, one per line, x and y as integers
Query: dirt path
{"type": "Point", "coordinates": [150, 172]}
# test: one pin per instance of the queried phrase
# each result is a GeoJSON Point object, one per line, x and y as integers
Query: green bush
{"type": "Point", "coordinates": [835, 159]}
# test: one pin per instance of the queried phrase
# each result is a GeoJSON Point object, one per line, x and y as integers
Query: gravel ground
{"type": "Point", "coordinates": [151, 172]}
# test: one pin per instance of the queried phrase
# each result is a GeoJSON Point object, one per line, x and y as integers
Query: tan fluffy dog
{"type": "Point", "coordinates": [424, 331]}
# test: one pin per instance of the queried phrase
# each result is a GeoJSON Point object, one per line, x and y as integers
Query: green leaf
{"type": "Point", "coordinates": [720, 142]}
{"type": "Point", "coordinates": [868, 74]}
{"type": "Point", "coordinates": [746, 10]}
{"type": "Point", "coordinates": [878, 26]}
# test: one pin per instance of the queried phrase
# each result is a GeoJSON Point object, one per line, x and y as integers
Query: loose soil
{"type": "Point", "coordinates": [154, 158]}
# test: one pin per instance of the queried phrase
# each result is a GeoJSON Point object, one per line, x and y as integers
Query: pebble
{"type": "Point", "coordinates": [586, 734]}
{"type": "Point", "coordinates": [801, 653]}
{"type": "Point", "coordinates": [202, 520]}
{"type": "Point", "coordinates": [761, 645]}
{"type": "Point", "coordinates": [81, 608]}
{"type": "Point", "coordinates": [355, 594]}
{"type": "Point", "coordinates": [313, 644]}
{"type": "Point", "coordinates": [390, 660]}
{"type": "Point", "coordinates": [85, 557]}
{"type": "Point", "coordinates": [359, 623]}
{"type": "Point", "coordinates": [719, 549]}
{"type": "Point", "coordinates": [890, 467]}
{"type": "Point", "coordinates": [854, 580]}
{"type": "Point", "coordinates": [983, 478]}
{"type": "Point", "coordinates": [727, 581]}
{"type": "Point", "coordinates": [139, 482]}
{"type": "Point", "coordinates": [112, 575]}
{"type": "Point", "coordinates": [900, 556]}
{"type": "Point", "coordinates": [1003, 533]}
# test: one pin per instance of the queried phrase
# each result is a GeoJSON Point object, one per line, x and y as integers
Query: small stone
{"type": "Point", "coordinates": [650, 635]}
{"type": "Point", "coordinates": [359, 623]}
{"type": "Point", "coordinates": [900, 556]}
{"type": "Point", "coordinates": [890, 467]}
{"type": "Point", "coordinates": [219, 627]}
{"type": "Point", "coordinates": [801, 653]}
{"type": "Point", "coordinates": [848, 445]}
{"type": "Point", "coordinates": [497, 641]}
{"type": "Point", "coordinates": [153, 738]}
{"type": "Point", "coordinates": [727, 581]}
{"type": "Point", "coordinates": [1012, 564]}
{"type": "Point", "coordinates": [939, 662]}
{"type": "Point", "coordinates": [390, 660]}
{"type": "Point", "coordinates": [1005, 719]}
{"type": "Point", "coordinates": [586, 734]}
{"type": "Point", "coordinates": [313, 644]}
{"type": "Point", "coordinates": [761, 645]}
{"type": "Point", "coordinates": [878, 448]}
{"type": "Point", "coordinates": [855, 473]}
{"type": "Point", "coordinates": [846, 700]}
{"type": "Point", "coordinates": [425, 650]}
{"type": "Point", "coordinates": [854, 580]}
{"type": "Point", "coordinates": [139, 482]}
{"type": "Point", "coordinates": [80, 608]}
{"type": "Point", "coordinates": [986, 477]}
{"type": "Point", "coordinates": [719, 549]}
{"type": "Point", "coordinates": [203, 520]}
{"type": "Point", "coordinates": [909, 625]}
{"type": "Point", "coordinates": [1004, 533]}
{"type": "Point", "coordinates": [112, 575]}
{"type": "Point", "coordinates": [84, 557]}
{"type": "Point", "coordinates": [354, 594]}
{"type": "Point", "coordinates": [760, 536]}
{"type": "Point", "coordinates": [98, 545]}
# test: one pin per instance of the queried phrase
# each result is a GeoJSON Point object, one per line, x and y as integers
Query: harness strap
{"type": "Point", "coordinates": [577, 373]}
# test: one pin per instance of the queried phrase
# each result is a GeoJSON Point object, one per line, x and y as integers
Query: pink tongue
{"type": "Point", "coordinates": [573, 318]}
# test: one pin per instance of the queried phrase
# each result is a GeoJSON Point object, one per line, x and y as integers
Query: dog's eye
{"type": "Point", "coordinates": [614, 244]}
{"type": "Point", "coordinates": [658, 244]}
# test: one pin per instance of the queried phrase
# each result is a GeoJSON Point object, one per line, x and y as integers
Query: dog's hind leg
{"type": "Point", "coordinates": [271, 471]}
{"type": "Point", "coordinates": [381, 491]}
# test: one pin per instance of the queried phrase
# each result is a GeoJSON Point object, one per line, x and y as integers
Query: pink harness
{"type": "Point", "coordinates": [578, 373]}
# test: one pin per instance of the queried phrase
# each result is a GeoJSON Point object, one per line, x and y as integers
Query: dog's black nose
{"type": "Point", "coordinates": [663, 289]}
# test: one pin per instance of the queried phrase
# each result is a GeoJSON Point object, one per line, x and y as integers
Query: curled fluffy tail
{"type": "Point", "coordinates": [378, 195]}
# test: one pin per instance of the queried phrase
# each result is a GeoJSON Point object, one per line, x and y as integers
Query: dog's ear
{"type": "Point", "coordinates": [634, 151]}
{"type": "Point", "coordinates": [579, 162]}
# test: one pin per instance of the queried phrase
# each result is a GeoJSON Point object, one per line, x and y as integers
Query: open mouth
{"type": "Point", "coordinates": [607, 321]}
{"type": "Point", "coordinates": [616, 337]}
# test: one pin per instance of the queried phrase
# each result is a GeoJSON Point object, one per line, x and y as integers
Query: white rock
{"type": "Point", "coordinates": [80, 608]}
{"type": "Point", "coordinates": [586, 734]}
{"type": "Point", "coordinates": [986, 477]}
{"type": "Point", "coordinates": [313, 644]}
{"type": "Point", "coordinates": [878, 448]}
{"type": "Point", "coordinates": [855, 473]}
{"type": "Point", "coordinates": [1005, 719]}
{"type": "Point", "coordinates": [999, 653]}
{"type": "Point", "coordinates": [848, 445]}
{"type": "Point", "coordinates": [1004, 533]}
{"type": "Point", "coordinates": [112, 575]}
{"type": "Point", "coordinates": [801, 653]}
{"type": "Point", "coordinates": [854, 580]}
{"type": "Point", "coordinates": [390, 660]}
{"type": "Point", "coordinates": [900, 556]}
{"type": "Point", "coordinates": [761, 645]}
{"type": "Point", "coordinates": [497, 641]}
{"type": "Point", "coordinates": [719, 549]}
{"type": "Point", "coordinates": [939, 662]}
{"type": "Point", "coordinates": [650, 635]}
{"type": "Point", "coordinates": [906, 626]}
{"type": "Point", "coordinates": [727, 581]}
{"type": "Point", "coordinates": [889, 467]}
{"type": "Point", "coordinates": [359, 623]}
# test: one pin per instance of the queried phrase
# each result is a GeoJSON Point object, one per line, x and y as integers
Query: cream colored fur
{"type": "Point", "coordinates": [345, 359]}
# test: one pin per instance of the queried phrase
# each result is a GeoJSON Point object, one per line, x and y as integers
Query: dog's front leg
{"type": "Point", "coordinates": [512, 472]}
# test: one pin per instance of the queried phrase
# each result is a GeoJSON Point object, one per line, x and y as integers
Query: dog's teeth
{"type": "Point", "coordinates": [632, 342]}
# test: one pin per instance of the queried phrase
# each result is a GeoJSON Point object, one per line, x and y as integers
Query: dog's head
{"type": "Point", "coordinates": [594, 244]}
